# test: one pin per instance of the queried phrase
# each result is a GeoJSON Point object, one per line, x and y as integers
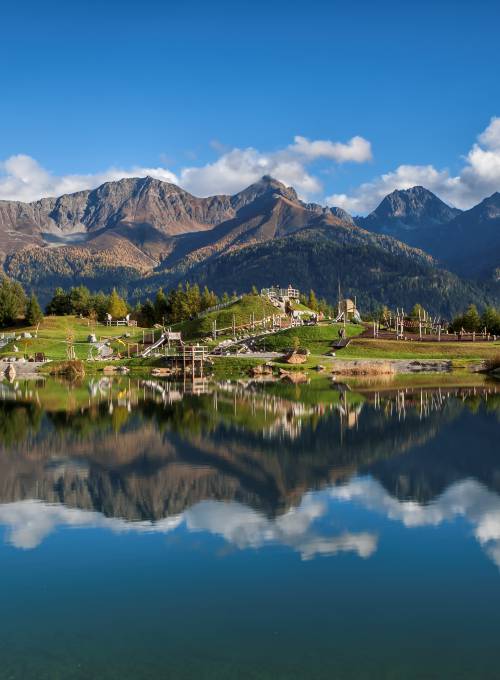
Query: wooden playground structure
{"type": "Point", "coordinates": [425, 328]}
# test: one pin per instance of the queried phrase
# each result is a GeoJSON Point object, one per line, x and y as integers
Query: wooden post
{"type": "Point", "coordinates": [234, 327]}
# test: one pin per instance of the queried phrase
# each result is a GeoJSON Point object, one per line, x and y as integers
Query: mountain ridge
{"type": "Point", "coordinates": [135, 231]}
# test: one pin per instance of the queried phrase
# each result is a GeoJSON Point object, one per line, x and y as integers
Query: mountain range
{"type": "Point", "coordinates": [467, 242]}
{"type": "Point", "coordinates": [142, 233]}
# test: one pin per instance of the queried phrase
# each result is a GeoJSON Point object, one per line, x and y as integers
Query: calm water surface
{"type": "Point", "coordinates": [249, 532]}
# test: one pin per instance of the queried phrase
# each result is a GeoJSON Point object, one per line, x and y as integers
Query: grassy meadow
{"type": "Point", "coordinates": [53, 331]}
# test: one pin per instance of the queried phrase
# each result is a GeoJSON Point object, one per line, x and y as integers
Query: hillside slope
{"type": "Point", "coordinates": [375, 269]}
{"type": "Point", "coordinates": [470, 243]}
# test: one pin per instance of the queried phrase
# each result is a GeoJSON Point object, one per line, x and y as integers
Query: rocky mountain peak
{"type": "Point", "coordinates": [414, 216]}
{"type": "Point", "coordinates": [265, 186]}
{"type": "Point", "coordinates": [416, 206]}
{"type": "Point", "coordinates": [490, 207]}
{"type": "Point", "coordinates": [342, 214]}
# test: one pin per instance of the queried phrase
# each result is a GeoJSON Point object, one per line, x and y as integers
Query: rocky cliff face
{"type": "Point", "coordinates": [164, 206]}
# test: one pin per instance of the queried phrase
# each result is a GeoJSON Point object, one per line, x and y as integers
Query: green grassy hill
{"type": "Point", "coordinates": [376, 269]}
{"type": "Point", "coordinates": [318, 339]}
{"type": "Point", "coordinates": [241, 310]}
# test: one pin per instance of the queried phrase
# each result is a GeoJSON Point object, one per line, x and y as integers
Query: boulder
{"type": "Point", "coordinates": [296, 358]}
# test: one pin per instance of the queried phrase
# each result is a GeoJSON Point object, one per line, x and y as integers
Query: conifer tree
{"type": "Point", "coordinates": [60, 303]}
{"type": "Point", "coordinates": [12, 301]}
{"type": "Point", "coordinates": [312, 302]}
{"type": "Point", "coordinates": [161, 306]}
{"type": "Point", "coordinates": [33, 311]}
{"type": "Point", "coordinates": [117, 306]}
{"type": "Point", "coordinates": [471, 319]}
{"type": "Point", "coordinates": [490, 319]}
{"type": "Point", "coordinates": [148, 314]}
{"type": "Point", "coordinates": [208, 299]}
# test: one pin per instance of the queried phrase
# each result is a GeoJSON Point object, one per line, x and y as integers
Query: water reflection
{"type": "Point", "coordinates": [254, 464]}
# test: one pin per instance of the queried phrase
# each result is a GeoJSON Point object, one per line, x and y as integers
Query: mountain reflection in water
{"type": "Point", "coordinates": [256, 465]}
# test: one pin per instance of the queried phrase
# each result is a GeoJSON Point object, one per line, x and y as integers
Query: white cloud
{"type": "Point", "coordinates": [357, 149]}
{"type": "Point", "coordinates": [23, 178]}
{"type": "Point", "coordinates": [30, 522]}
{"type": "Point", "coordinates": [490, 138]}
{"type": "Point", "coordinates": [479, 177]}
{"type": "Point", "coordinates": [236, 169]}
{"type": "Point", "coordinates": [468, 499]}
{"type": "Point", "coordinates": [246, 528]}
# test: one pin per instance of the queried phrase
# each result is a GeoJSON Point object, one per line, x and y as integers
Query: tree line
{"type": "Point", "coordinates": [16, 305]}
{"type": "Point", "coordinates": [472, 321]}
{"type": "Point", "coordinates": [179, 304]}
{"type": "Point", "coordinates": [183, 302]}
{"type": "Point", "coordinates": [317, 305]}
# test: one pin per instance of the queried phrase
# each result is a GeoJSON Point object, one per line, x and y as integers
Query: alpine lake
{"type": "Point", "coordinates": [249, 530]}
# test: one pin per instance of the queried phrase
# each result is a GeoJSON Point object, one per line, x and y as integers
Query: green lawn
{"type": "Point", "coordinates": [371, 348]}
{"type": "Point", "coordinates": [51, 337]}
{"type": "Point", "coordinates": [317, 339]}
{"type": "Point", "coordinates": [299, 307]}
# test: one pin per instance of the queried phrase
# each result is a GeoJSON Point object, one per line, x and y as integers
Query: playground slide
{"type": "Point", "coordinates": [154, 346]}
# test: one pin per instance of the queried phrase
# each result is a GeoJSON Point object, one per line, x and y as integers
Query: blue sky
{"type": "Point", "coordinates": [96, 88]}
